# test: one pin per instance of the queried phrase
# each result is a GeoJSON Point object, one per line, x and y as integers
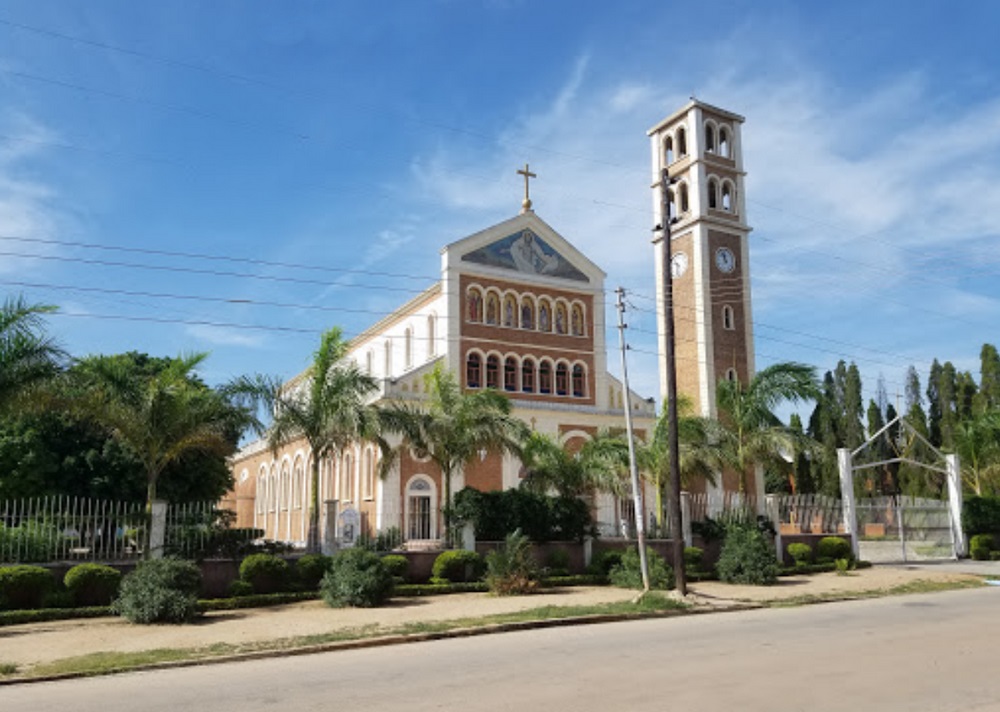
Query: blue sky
{"type": "Point", "coordinates": [249, 156]}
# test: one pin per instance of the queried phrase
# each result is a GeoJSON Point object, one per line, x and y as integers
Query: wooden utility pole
{"type": "Point", "coordinates": [680, 575]}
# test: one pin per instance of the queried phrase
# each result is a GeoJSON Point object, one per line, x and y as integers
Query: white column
{"type": "Point", "coordinates": [157, 528]}
{"type": "Point", "coordinates": [846, 468]}
{"type": "Point", "coordinates": [955, 505]}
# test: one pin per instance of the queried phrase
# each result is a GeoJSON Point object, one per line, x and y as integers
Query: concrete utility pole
{"type": "Point", "coordinates": [680, 575]}
{"type": "Point", "coordinates": [640, 510]}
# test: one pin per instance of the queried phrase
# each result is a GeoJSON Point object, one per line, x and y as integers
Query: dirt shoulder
{"type": "Point", "coordinates": [29, 644]}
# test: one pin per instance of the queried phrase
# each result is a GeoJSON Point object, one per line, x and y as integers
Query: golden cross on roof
{"type": "Point", "coordinates": [526, 205]}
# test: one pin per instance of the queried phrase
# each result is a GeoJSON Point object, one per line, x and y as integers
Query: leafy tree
{"type": "Point", "coordinates": [328, 407]}
{"type": "Point", "coordinates": [977, 442]}
{"type": "Point", "coordinates": [63, 451]}
{"type": "Point", "coordinates": [751, 434]}
{"type": "Point", "coordinates": [27, 356]}
{"type": "Point", "coordinates": [161, 416]}
{"type": "Point", "coordinates": [550, 467]}
{"type": "Point", "coordinates": [451, 426]}
{"type": "Point", "coordinates": [989, 379]}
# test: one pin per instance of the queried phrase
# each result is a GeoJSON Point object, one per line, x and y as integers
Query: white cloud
{"type": "Point", "coordinates": [225, 336]}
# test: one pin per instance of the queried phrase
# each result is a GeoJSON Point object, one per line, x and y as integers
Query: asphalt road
{"type": "Point", "coordinates": [914, 653]}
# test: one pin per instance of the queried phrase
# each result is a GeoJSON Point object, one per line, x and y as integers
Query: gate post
{"type": "Point", "coordinates": [955, 505]}
{"type": "Point", "coordinates": [773, 510]}
{"type": "Point", "coordinates": [686, 519]}
{"type": "Point", "coordinates": [846, 468]}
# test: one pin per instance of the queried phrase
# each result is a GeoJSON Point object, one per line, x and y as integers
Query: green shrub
{"type": "Point", "coordinates": [843, 566]}
{"type": "Point", "coordinates": [801, 553]}
{"type": "Point", "coordinates": [981, 515]}
{"type": "Point", "coordinates": [540, 517]}
{"type": "Point", "coordinates": [310, 570]}
{"type": "Point", "coordinates": [92, 584]}
{"type": "Point", "coordinates": [834, 547]}
{"type": "Point", "coordinates": [357, 577]}
{"type": "Point", "coordinates": [693, 557]}
{"type": "Point", "coordinates": [557, 562]}
{"type": "Point", "coordinates": [458, 565]}
{"type": "Point", "coordinates": [747, 556]}
{"type": "Point", "coordinates": [980, 546]}
{"type": "Point", "coordinates": [603, 561]}
{"type": "Point", "coordinates": [628, 573]}
{"type": "Point", "coordinates": [240, 589]}
{"type": "Point", "coordinates": [396, 564]}
{"type": "Point", "coordinates": [159, 591]}
{"type": "Point", "coordinates": [267, 573]}
{"type": "Point", "coordinates": [24, 586]}
{"type": "Point", "coordinates": [511, 569]}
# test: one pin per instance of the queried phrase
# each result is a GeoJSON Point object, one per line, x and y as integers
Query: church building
{"type": "Point", "coordinates": [519, 309]}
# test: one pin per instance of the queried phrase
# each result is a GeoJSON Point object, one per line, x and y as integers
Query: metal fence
{"type": "Point", "coordinates": [50, 529]}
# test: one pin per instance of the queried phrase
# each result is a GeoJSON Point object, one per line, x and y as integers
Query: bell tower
{"type": "Point", "coordinates": [701, 147]}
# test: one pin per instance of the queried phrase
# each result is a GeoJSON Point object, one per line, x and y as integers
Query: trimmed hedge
{"type": "Point", "coordinates": [160, 591]}
{"type": "Point", "coordinates": [310, 570]}
{"type": "Point", "coordinates": [267, 573]}
{"type": "Point", "coordinates": [92, 584]}
{"type": "Point", "coordinates": [981, 546]}
{"type": "Point", "coordinates": [397, 564]}
{"type": "Point", "coordinates": [458, 565]}
{"type": "Point", "coordinates": [801, 553]}
{"type": "Point", "coordinates": [24, 586]}
{"type": "Point", "coordinates": [981, 515]}
{"type": "Point", "coordinates": [833, 548]}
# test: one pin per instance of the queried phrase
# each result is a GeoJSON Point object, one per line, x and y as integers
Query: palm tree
{"type": "Point", "coordinates": [597, 466]}
{"type": "Point", "coordinates": [161, 415]}
{"type": "Point", "coordinates": [699, 457]}
{"type": "Point", "coordinates": [751, 434]}
{"type": "Point", "coordinates": [27, 356]}
{"type": "Point", "coordinates": [451, 427]}
{"type": "Point", "coordinates": [329, 408]}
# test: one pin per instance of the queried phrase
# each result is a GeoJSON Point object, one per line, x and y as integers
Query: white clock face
{"type": "Point", "coordinates": [725, 260]}
{"type": "Point", "coordinates": [678, 265]}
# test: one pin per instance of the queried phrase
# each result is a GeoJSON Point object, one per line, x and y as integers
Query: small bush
{"type": "Point", "coordinates": [604, 561]}
{"type": "Point", "coordinates": [357, 577]}
{"type": "Point", "coordinates": [801, 554]}
{"type": "Point", "coordinates": [310, 570]}
{"type": "Point", "coordinates": [843, 566]}
{"type": "Point", "coordinates": [747, 557]}
{"type": "Point", "coordinates": [833, 547]}
{"type": "Point", "coordinates": [92, 584]}
{"type": "Point", "coordinates": [511, 569]}
{"type": "Point", "coordinates": [24, 586]}
{"type": "Point", "coordinates": [396, 564]}
{"type": "Point", "coordinates": [628, 574]}
{"type": "Point", "coordinates": [159, 591]}
{"type": "Point", "coordinates": [557, 562]}
{"type": "Point", "coordinates": [267, 573]}
{"type": "Point", "coordinates": [980, 546]}
{"type": "Point", "coordinates": [240, 589]}
{"type": "Point", "coordinates": [458, 565]}
{"type": "Point", "coordinates": [693, 557]}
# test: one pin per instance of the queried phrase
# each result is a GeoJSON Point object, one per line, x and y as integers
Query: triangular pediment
{"type": "Point", "coordinates": [527, 252]}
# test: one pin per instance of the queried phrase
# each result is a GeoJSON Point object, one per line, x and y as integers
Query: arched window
{"type": "Point", "coordinates": [474, 305]}
{"type": "Point", "coordinates": [509, 311]}
{"type": "Point", "coordinates": [713, 193]}
{"type": "Point", "coordinates": [728, 319]}
{"type": "Point", "coordinates": [727, 197]}
{"type": "Point", "coordinates": [298, 484]}
{"type": "Point", "coordinates": [577, 320]}
{"type": "Point", "coordinates": [668, 151]}
{"type": "Point", "coordinates": [528, 375]}
{"type": "Point", "coordinates": [723, 142]}
{"type": "Point", "coordinates": [579, 381]}
{"type": "Point", "coordinates": [347, 479]}
{"type": "Point", "coordinates": [562, 320]}
{"type": "Point", "coordinates": [671, 205]}
{"type": "Point", "coordinates": [545, 377]}
{"type": "Point", "coordinates": [544, 315]}
{"type": "Point", "coordinates": [492, 309]}
{"type": "Point", "coordinates": [474, 371]}
{"type": "Point", "coordinates": [408, 348]}
{"type": "Point", "coordinates": [261, 496]}
{"type": "Point", "coordinates": [419, 509]}
{"type": "Point", "coordinates": [272, 490]}
{"type": "Point", "coordinates": [731, 375]}
{"type": "Point", "coordinates": [493, 371]}
{"type": "Point", "coordinates": [682, 143]}
{"type": "Point", "coordinates": [510, 374]}
{"type": "Point", "coordinates": [285, 485]}
{"type": "Point", "coordinates": [431, 335]}
{"type": "Point", "coordinates": [683, 190]}
{"type": "Point", "coordinates": [709, 138]}
{"type": "Point", "coordinates": [527, 313]}
{"type": "Point", "coordinates": [368, 475]}
{"type": "Point", "coordinates": [562, 379]}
